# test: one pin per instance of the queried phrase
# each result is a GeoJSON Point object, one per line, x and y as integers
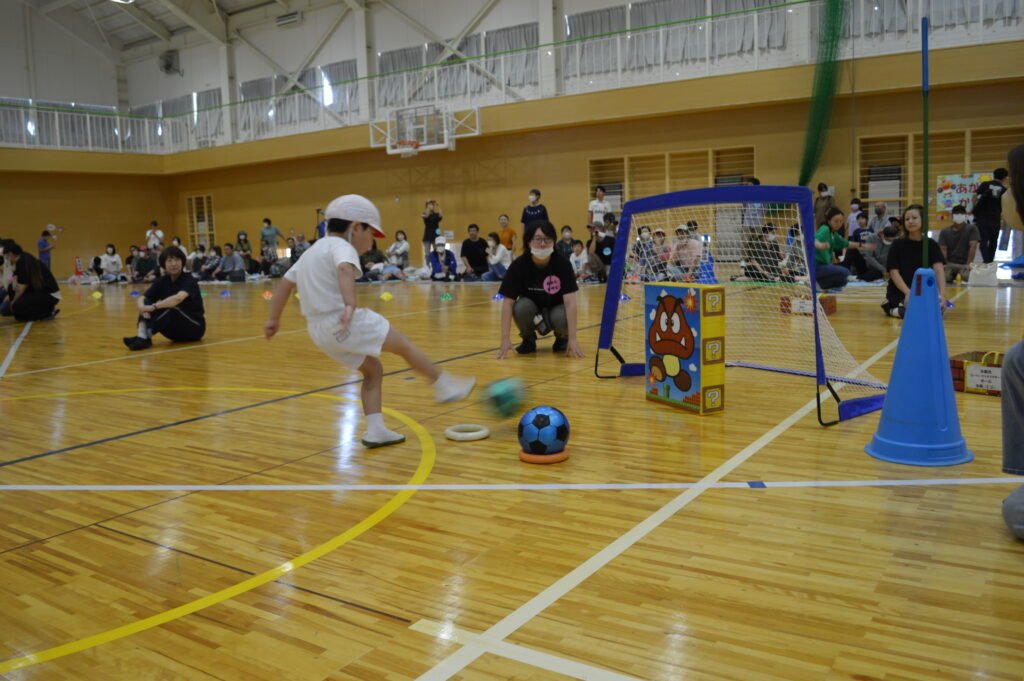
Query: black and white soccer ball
{"type": "Point", "coordinates": [543, 430]}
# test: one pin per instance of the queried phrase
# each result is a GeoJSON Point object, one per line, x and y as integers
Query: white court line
{"type": "Point", "coordinates": [197, 346]}
{"type": "Point", "coordinates": [529, 656]}
{"type": "Point", "coordinates": [465, 656]}
{"type": "Point", "coordinates": [514, 487]}
{"type": "Point", "coordinates": [14, 350]}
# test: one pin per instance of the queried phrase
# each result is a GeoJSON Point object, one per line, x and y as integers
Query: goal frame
{"type": "Point", "coordinates": [741, 194]}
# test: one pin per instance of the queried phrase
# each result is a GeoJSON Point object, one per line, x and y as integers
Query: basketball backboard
{"type": "Point", "coordinates": [410, 130]}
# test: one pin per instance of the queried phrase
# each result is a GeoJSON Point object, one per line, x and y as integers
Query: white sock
{"type": "Point", "coordinates": [375, 424]}
{"type": "Point", "coordinates": [443, 381]}
{"type": "Point", "coordinates": [143, 330]}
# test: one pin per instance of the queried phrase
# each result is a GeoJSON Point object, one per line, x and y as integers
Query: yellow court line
{"type": "Point", "coordinates": [427, 458]}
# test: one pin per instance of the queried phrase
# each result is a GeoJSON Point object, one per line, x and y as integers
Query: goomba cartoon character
{"type": "Point", "coordinates": [672, 338]}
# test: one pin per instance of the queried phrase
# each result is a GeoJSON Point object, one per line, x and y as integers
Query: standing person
{"type": "Point", "coordinates": [172, 306]}
{"type": "Point", "coordinates": [154, 235]}
{"type": "Point", "coordinates": [959, 244]}
{"type": "Point", "coordinates": [441, 262]}
{"type": "Point", "coordinates": [509, 237]}
{"type": "Point", "coordinates": [599, 251]}
{"type": "Point", "coordinates": [431, 228]}
{"type": "Point", "coordinates": [564, 246]}
{"type": "Point", "coordinates": [271, 234]}
{"type": "Point", "coordinates": [474, 255]}
{"type": "Point", "coordinates": [822, 203]}
{"type": "Point", "coordinates": [540, 294]}
{"type": "Point", "coordinates": [45, 246]}
{"type": "Point", "coordinates": [827, 243]}
{"type": "Point", "coordinates": [988, 212]}
{"type": "Point", "coordinates": [534, 211]}
{"type": "Point", "coordinates": [35, 292]}
{"type": "Point", "coordinates": [906, 257]}
{"type": "Point", "coordinates": [598, 206]}
{"type": "Point", "coordinates": [880, 220]}
{"type": "Point", "coordinates": [1013, 373]}
{"type": "Point", "coordinates": [498, 258]}
{"type": "Point", "coordinates": [354, 337]}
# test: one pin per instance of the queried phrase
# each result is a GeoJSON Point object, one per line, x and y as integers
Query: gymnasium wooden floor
{"type": "Point", "coordinates": [858, 569]}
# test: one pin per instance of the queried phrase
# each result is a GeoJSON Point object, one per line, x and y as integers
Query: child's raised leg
{"type": "Point", "coordinates": [447, 388]}
{"type": "Point", "coordinates": [377, 434]}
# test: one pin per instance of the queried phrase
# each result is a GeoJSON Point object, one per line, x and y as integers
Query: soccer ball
{"type": "Point", "coordinates": [543, 431]}
{"type": "Point", "coordinates": [504, 397]}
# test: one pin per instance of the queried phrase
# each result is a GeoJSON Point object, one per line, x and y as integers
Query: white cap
{"type": "Point", "coordinates": [355, 208]}
{"type": "Point", "coordinates": [439, 241]}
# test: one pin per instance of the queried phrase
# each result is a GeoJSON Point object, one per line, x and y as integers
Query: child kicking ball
{"type": "Point", "coordinates": [355, 337]}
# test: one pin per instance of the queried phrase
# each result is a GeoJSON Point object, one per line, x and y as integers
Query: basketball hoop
{"type": "Point", "coordinates": [407, 148]}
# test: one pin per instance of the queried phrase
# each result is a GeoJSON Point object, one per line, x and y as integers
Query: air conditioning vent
{"type": "Point", "coordinates": [289, 19]}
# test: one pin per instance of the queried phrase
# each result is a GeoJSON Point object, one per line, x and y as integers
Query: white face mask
{"type": "Point", "coordinates": [602, 235]}
{"type": "Point", "coordinates": [959, 219]}
{"type": "Point", "coordinates": [854, 207]}
{"type": "Point", "coordinates": [887, 242]}
{"type": "Point", "coordinates": [439, 249]}
{"type": "Point", "coordinates": [645, 236]}
{"type": "Point", "coordinates": [542, 253]}
{"type": "Point", "coordinates": [567, 236]}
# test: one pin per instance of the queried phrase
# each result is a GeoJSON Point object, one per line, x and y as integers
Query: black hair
{"type": "Point", "coordinates": [494, 235]}
{"type": "Point", "coordinates": [133, 247]}
{"type": "Point", "coordinates": [959, 209]}
{"type": "Point", "coordinates": [794, 229]}
{"type": "Point", "coordinates": [46, 232]}
{"type": "Point", "coordinates": [402, 232]}
{"type": "Point", "coordinates": [11, 246]}
{"type": "Point", "coordinates": [920, 209]}
{"type": "Point", "coordinates": [201, 247]}
{"type": "Point", "coordinates": [338, 225]}
{"type": "Point", "coordinates": [822, 187]}
{"type": "Point", "coordinates": [855, 200]}
{"type": "Point", "coordinates": [609, 218]}
{"type": "Point", "coordinates": [600, 188]}
{"type": "Point", "coordinates": [473, 226]}
{"type": "Point", "coordinates": [755, 181]}
{"type": "Point", "coordinates": [642, 228]}
{"type": "Point", "coordinates": [229, 245]}
{"type": "Point", "coordinates": [242, 235]}
{"type": "Point", "coordinates": [1001, 173]}
{"type": "Point", "coordinates": [575, 243]}
{"type": "Point", "coordinates": [832, 212]}
{"type": "Point", "coordinates": [175, 237]}
{"type": "Point", "coordinates": [172, 252]}
{"type": "Point", "coordinates": [531, 230]}
{"type": "Point", "coordinates": [503, 215]}
{"type": "Point", "coordinates": [535, 191]}
{"type": "Point", "coordinates": [862, 216]}
{"type": "Point", "coordinates": [1015, 159]}
{"type": "Point", "coordinates": [566, 227]}
{"type": "Point", "coordinates": [891, 230]}
{"type": "Point", "coordinates": [152, 223]}
{"type": "Point", "coordinates": [112, 247]}
{"type": "Point", "coordinates": [268, 220]}
{"type": "Point", "coordinates": [692, 224]}
{"type": "Point", "coordinates": [216, 250]}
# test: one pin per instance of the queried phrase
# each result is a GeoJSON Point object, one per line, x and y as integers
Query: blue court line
{"type": "Point", "coordinates": [756, 484]}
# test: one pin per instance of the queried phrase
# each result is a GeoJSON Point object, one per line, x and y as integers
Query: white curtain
{"type": "Point", "coordinates": [593, 56]}
{"type": "Point", "coordinates": [520, 65]}
{"type": "Point", "coordinates": [672, 44]}
{"type": "Point", "coordinates": [460, 78]}
{"type": "Point", "coordinates": [735, 34]}
{"type": "Point", "coordinates": [293, 106]}
{"type": "Point", "coordinates": [392, 89]}
{"type": "Point", "coordinates": [256, 110]}
{"type": "Point", "coordinates": [209, 118]}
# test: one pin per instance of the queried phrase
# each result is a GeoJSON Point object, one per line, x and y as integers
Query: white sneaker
{"type": "Point", "coordinates": [450, 388]}
{"type": "Point", "coordinates": [382, 439]}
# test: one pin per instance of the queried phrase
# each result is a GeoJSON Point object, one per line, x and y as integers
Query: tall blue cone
{"type": "Point", "coordinates": [920, 425]}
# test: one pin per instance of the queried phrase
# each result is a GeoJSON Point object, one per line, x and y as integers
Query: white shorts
{"type": "Point", "coordinates": [365, 337]}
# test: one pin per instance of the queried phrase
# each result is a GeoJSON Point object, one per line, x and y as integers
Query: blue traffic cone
{"type": "Point", "coordinates": [920, 425]}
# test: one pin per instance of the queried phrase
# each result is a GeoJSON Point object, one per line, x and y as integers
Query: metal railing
{"type": "Point", "coordinates": [764, 38]}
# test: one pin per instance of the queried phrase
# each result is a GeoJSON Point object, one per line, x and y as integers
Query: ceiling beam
{"type": "Point", "coordinates": [55, 5]}
{"type": "Point", "coordinates": [473, 63]}
{"type": "Point", "coordinates": [285, 5]}
{"type": "Point", "coordinates": [294, 78]}
{"type": "Point", "coordinates": [147, 21]}
{"type": "Point", "coordinates": [82, 30]}
{"type": "Point", "coordinates": [200, 16]}
{"type": "Point", "coordinates": [468, 28]}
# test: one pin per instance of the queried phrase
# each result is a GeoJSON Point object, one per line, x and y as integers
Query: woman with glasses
{"type": "Point", "coordinates": [539, 292]}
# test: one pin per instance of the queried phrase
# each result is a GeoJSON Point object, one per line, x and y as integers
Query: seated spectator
{"type": "Point", "coordinates": [282, 265]}
{"type": "Point", "coordinates": [610, 222]}
{"type": "Point", "coordinates": [793, 262]}
{"type": "Point", "coordinates": [301, 245]}
{"type": "Point", "coordinates": [643, 256]}
{"type": "Point", "coordinates": [564, 247]}
{"type": "Point", "coordinates": [540, 294]}
{"type": "Point", "coordinates": [372, 263]}
{"type": "Point", "coordinates": [211, 264]}
{"type": "Point", "coordinates": [875, 259]}
{"type": "Point", "coordinates": [498, 258]}
{"type": "Point", "coordinates": [129, 262]}
{"type": "Point", "coordinates": [578, 260]}
{"type": "Point", "coordinates": [176, 242]}
{"type": "Point", "coordinates": [34, 292]}
{"type": "Point", "coordinates": [687, 251]}
{"type": "Point", "coordinates": [441, 262]}
{"type": "Point", "coordinates": [6, 280]}
{"type": "Point", "coordinates": [827, 244]}
{"type": "Point", "coordinates": [268, 256]}
{"type": "Point", "coordinates": [145, 267]}
{"type": "Point", "coordinates": [398, 252]}
{"type": "Point", "coordinates": [959, 244]}
{"type": "Point", "coordinates": [474, 256]}
{"type": "Point", "coordinates": [110, 265]}
{"type": "Point", "coordinates": [196, 259]}
{"type": "Point", "coordinates": [854, 258]}
{"type": "Point", "coordinates": [172, 306]}
{"type": "Point", "coordinates": [765, 255]}
{"type": "Point", "coordinates": [243, 248]}
{"type": "Point", "coordinates": [231, 266]}
{"type": "Point", "coordinates": [599, 250]}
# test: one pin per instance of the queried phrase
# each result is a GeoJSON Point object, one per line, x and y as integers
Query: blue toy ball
{"type": "Point", "coordinates": [225, 293]}
{"type": "Point", "coordinates": [543, 431]}
{"type": "Point", "coordinates": [135, 294]}
{"type": "Point", "coordinates": [504, 397]}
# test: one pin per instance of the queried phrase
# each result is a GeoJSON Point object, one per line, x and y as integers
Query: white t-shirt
{"type": "Point", "coordinates": [316, 274]}
{"type": "Point", "coordinates": [502, 256]}
{"type": "Point", "coordinates": [578, 261]}
{"type": "Point", "coordinates": [110, 264]}
{"type": "Point", "coordinates": [599, 208]}
{"type": "Point", "coordinates": [154, 237]}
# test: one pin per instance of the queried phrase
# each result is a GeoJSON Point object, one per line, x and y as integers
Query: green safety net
{"type": "Point", "coordinates": [826, 80]}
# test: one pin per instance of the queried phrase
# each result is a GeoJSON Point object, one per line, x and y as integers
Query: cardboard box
{"type": "Point", "coordinates": [789, 305]}
{"type": "Point", "coordinates": [977, 372]}
{"type": "Point", "coordinates": [685, 340]}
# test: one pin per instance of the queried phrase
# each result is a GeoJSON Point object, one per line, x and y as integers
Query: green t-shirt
{"type": "Point", "coordinates": [826, 236]}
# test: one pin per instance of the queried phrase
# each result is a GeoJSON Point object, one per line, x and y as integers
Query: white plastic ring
{"type": "Point", "coordinates": [467, 432]}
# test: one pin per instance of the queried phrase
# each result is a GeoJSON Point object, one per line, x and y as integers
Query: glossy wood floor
{"type": "Point", "coordinates": [714, 581]}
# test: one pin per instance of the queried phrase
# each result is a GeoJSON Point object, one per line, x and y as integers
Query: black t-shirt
{"type": "Point", "coordinates": [905, 256]}
{"type": "Point", "coordinates": [21, 275]}
{"type": "Point", "coordinates": [989, 206]}
{"type": "Point", "coordinates": [432, 226]}
{"type": "Point", "coordinates": [605, 247]}
{"type": "Point", "coordinates": [545, 286]}
{"type": "Point", "coordinates": [536, 213]}
{"type": "Point", "coordinates": [163, 287]}
{"type": "Point", "coordinates": [476, 253]}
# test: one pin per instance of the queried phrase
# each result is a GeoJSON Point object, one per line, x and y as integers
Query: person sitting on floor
{"type": "Point", "coordinates": [172, 306]}
{"type": "Point", "coordinates": [35, 292]}
{"type": "Point", "coordinates": [442, 262]}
